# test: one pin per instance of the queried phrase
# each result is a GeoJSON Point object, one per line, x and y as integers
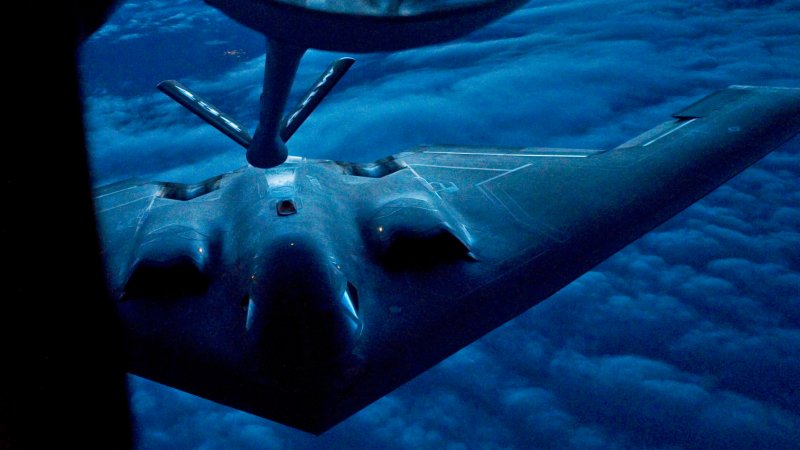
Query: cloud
{"type": "Point", "coordinates": [668, 407]}
{"type": "Point", "coordinates": [688, 338]}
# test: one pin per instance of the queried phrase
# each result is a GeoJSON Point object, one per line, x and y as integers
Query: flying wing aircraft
{"type": "Point", "coordinates": [304, 291]}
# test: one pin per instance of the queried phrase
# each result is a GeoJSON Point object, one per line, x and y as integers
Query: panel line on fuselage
{"type": "Point", "coordinates": [528, 155]}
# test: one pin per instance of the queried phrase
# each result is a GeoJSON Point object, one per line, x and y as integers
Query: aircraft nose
{"type": "Point", "coordinates": [302, 311]}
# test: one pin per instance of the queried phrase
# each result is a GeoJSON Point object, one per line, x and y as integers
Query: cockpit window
{"type": "Point", "coordinates": [350, 299]}
{"type": "Point", "coordinates": [411, 251]}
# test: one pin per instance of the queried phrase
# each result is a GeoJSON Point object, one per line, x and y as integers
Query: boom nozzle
{"type": "Point", "coordinates": [267, 148]}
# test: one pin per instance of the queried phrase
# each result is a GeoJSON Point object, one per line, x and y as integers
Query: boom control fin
{"type": "Point", "coordinates": [206, 111]}
{"type": "Point", "coordinates": [267, 147]}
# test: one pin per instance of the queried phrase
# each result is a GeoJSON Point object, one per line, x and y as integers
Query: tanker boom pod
{"type": "Point", "coordinates": [291, 28]}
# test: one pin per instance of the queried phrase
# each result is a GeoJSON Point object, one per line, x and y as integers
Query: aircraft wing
{"type": "Point", "coordinates": [125, 222]}
{"type": "Point", "coordinates": [438, 246]}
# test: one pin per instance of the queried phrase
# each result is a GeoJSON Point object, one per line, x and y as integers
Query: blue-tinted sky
{"type": "Point", "coordinates": [688, 338]}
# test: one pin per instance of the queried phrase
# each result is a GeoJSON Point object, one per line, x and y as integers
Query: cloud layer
{"type": "Point", "coordinates": [688, 338]}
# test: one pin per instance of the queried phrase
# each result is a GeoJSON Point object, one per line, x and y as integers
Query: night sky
{"type": "Point", "coordinates": [688, 338]}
